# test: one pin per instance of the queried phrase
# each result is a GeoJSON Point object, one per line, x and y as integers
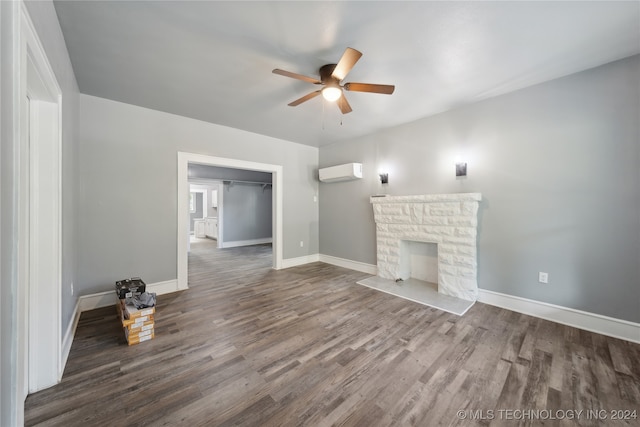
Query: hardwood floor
{"type": "Point", "coordinates": [247, 345]}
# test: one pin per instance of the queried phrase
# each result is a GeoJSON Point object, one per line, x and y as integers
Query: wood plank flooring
{"type": "Point", "coordinates": [307, 346]}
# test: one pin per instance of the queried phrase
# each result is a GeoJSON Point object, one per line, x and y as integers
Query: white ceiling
{"type": "Point", "coordinates": [212, 60]}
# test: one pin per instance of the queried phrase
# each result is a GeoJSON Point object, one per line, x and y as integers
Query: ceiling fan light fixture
{"type": "Point", "coordinates": [331, 75]}
{"type": "Point", "coordinates": [331, 93]}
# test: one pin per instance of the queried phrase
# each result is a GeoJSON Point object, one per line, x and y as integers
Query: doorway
{"type": "Point", "coordinates": [184, 159]}
{"type": "Point", "coordinates": [40, 361]}
{"type": "Point", "coordinates": [198, 210]}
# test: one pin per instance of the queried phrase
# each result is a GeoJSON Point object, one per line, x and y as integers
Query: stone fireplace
{"type": "Point", "coordinates": [448, 220]}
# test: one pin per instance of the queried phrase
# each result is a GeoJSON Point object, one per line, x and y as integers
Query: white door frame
{"type": "Point", "coordinates": [39, 282]}
{"type": "Point", "coordinates": [183, 202]}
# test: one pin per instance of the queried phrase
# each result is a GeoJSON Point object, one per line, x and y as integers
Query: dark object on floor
{"type": "Point", "coordinates": [126, 288]}
{"type": "Point", "coordinates": [144, 300]}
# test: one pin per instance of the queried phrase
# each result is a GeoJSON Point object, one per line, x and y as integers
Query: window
{"type": "Point", "coordinates": [192, 202]}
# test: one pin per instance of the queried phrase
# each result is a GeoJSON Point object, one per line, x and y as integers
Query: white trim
{"type": "Point", "coordinates": [328, 259]}
{"type": "Point", "coordinates": [347, 263]}
{"type": "Point", "coordinates": [237, 243]}
{"type": "Point", "coordinates": [161, 288]}
{"type": "Point", "coordinates": [592, 322]}
{"type": "Point", "coordinates": [42, 196]}
{"type": "Point", "coordinates": [294, 262]}
{"type": "Point", "coordinates": [220, 212]}
{"type": "Point", "coordinates": [13, 387]}
{"type": "Point", "coordinates": [107, 298]}
{"type": "Point", "coordinates": [68, 337]}
{"type": "Point", "coordinates": [97, 300]}
{"type": "Point", "coordinates": [183, 224]}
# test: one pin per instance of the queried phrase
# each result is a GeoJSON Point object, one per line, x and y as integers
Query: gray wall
{"type": "Point", "coordinates": [199, 209]}
{"type": "Point", "coordinates": [558, 167]}
{"type": "Point", "coordinates": [127, 210]}
{"type": "Point", "coordinates": [46, 24]}
{"type": "Point", "coordinates": [246, 212]}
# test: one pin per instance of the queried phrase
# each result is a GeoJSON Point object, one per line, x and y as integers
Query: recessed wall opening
{"type": "Point", "coordinates": [275, 172]}
{"type": "Point", "coordinates": [231, 206]}
{"type": "Point", "coordinates": [419, 260]}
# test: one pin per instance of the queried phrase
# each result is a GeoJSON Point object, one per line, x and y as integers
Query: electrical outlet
{"type": "Point", "coordinates": [543, 277]}
{"type": "Point", "coordinates": [71, 288]}
{"type": "Point", "coordinates": [301, 244]}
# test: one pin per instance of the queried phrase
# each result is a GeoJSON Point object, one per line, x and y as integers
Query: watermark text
{"type": "Point", "coordinates": [547, 414]}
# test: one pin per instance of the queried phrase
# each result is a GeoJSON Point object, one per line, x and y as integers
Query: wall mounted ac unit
{"type": "Point", "coordinates": [341, 172]}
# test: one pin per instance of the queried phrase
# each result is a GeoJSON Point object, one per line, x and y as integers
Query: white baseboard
{"type": "Point", "coordinates": [592, 322]}
{"type": "Point", "coordinates": [93, 301]}
{"type": "Point", "coordinates": [104, 299]}
{"type": "Point", "coordinates": [328, 259]}
{"type": "Point", "coordinates": [347, 263]}
{"type": "Point", "coordinates": [68, 338]}
{"type": "Point", "coordinates": [293, 262]}
{"type": "Point", "coordinates": [166, 287]}
{"type": "Point", "coordinates": [247, 242]}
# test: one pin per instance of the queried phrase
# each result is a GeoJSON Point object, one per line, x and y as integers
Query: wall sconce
{"type": "Point", "coordinates": [461, 169]}
{"type": "Point", "coordinates": [384, 178]}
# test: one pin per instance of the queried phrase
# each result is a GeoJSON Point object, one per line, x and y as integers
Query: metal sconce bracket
{"type": "Point", "coordinates": [461, 169]}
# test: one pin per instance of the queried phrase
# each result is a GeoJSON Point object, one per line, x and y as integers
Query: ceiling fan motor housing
{"type": "Point", "coordinates": [325, 74]}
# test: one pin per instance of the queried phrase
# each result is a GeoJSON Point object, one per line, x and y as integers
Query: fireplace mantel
{"type": "Point", "coordinates": [428, 198]}
{"type": "Point", "coordinates": [449, 220]}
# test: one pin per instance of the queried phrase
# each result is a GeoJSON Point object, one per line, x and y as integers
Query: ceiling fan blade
{"type": "Point", "coordinates": [346, 63]}
{"type": "Point", "coordinates": [367, 87]}
{"type": "Point", "coordinates": [343, 104]}
{"type": "Point", "coordinates": [304, 98]}
{"type": "Point", "coordinates": [296, 76]}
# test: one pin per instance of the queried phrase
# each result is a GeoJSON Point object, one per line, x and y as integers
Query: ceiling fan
{"type": "Point", "coordinates": [331, 75]}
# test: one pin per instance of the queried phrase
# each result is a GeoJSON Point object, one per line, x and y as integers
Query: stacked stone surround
{"type": "Point", "coordinates": [449, 220]}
